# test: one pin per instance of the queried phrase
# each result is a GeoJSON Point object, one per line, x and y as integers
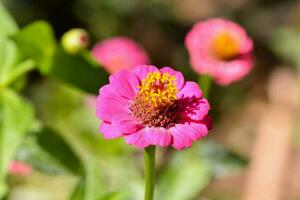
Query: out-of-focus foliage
{"type": "Point", "coordinates": [16, 120]}
{"type": "Point", "coordinates": [285, 42]}
{"type": "Point", "coordinates": [51, 60]}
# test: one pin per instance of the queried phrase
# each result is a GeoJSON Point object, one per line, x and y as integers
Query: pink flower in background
{"type": "Point", "coordinates": [119, 53]}
{"type": "Point", "coordinates": [90, 101]}
{"type": "Point", "coordinates": [19, 168]}
{"type": "Point", "coordinates": [221, 49]}
{"type": "Point", "coordinates": [148, 106]}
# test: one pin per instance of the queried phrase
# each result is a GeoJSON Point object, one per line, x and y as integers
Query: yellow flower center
{"type": "Point", "coordinates": [156, 104]}
{"type": "Point", "coordinates": [225, 46]}
{"type": "Point", "coordinates": [159, 88]}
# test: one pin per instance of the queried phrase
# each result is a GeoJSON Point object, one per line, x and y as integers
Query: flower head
{"type": "Point", "coordinates": [119, 53]}
{"type": "Point", "coordinates": [19, 168]}
{"type": "Point", "coordinates": [148, 106]}
{"type": "Point", "coordinates": [221, 49]}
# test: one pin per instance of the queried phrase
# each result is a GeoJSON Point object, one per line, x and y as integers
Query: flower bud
{"type": "Point", "coordinates": [75, 40]}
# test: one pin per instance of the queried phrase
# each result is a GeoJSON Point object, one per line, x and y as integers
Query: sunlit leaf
{"type": "Point", "coordinates": [78, 70]}
{"type": "Point", "coordinates": [91, 186]}
{"type": "Point", "coordinates": [185, 176]}
{"type": "Point", "coordinates": [36, 41]}
{"type": "Point", "coordinates": [8, 51]}
{"type": "Point", "coordinates": [8, 58]}
{"type": "Point", "coordinates": [47, 152]}
{"type": "Point", "coordinates": [285, 42]}
{"type": "Point", "coordinates": [16, 116]}
{"type": "Point", "coordinates": [68, 112]}
{"type": "Point", "coordinates": [7, 24]}
{"type": "Point", "coordinates": [114, 196]}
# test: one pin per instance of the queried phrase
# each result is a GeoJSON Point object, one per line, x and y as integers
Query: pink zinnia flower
{"type": "Point", "coordinates": [148, 106]}
{"type": "Point", "coordinates": [19, 168]}
{"type": "Point", "coordinates": [119, 53]}
{"type": "Point", "coordinates": [221, 49]}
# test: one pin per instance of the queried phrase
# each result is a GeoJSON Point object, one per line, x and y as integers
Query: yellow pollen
{"type": "Point", "coordinates": [225, 46]}
{"type": "Point", "coordinates": [159, 88]}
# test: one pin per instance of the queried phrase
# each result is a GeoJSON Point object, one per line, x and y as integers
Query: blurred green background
{"type": "Point", "coordinates": [48, 121]}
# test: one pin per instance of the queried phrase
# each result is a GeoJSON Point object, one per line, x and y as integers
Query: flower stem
{"type": "Point", "coordinates": [18, 71]}
{"type": "Point", "coordinates": [149, 156]}
{"type": "Point", "coordinates": [205, 82]}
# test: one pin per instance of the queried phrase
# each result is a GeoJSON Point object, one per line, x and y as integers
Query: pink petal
{"type": "Point", "coordinates": [185, 134]}
{"type": "Point", "coordinates": [126, 124]}
{"type": "Point", "coordinates": [193, 108]}
{"type": "Point", "coordinates": [179, 141]}
{"type": "Point", "coordinates": [177, 74]}
{"type": "Point", "coordinates": [149, 136]}
{"type": "Point", "coordinates": [208, 122]}
{"type": "Point", "coordinates": [190, 90]}
{"type": "Point", "coordinates": [109, 131]}
{"type": "Point", "coordinates": [157, 136]}
{"type": "Point", "coordinates": [226, 73]}
{"type": "Point", "coordinates": [125, 83]}
{"type": "Point", "coordinates": [109, 104]}
{"type": "Point", "coordinates": [136, 139]}
{"type": "Point", "coordinates": [142, 70]}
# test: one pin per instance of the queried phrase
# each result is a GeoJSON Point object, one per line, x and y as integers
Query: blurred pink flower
{"type": "Point", "coordinates": [19, 168]}
{"type": "Point", "coordinates": [148, 106]}
{"type": "Point", "coordinates": [221, 49]}
{"type": "Point", "coordinates": [119, 53]}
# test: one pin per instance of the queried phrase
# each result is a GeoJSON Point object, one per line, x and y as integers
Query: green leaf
{"type": "Point", "coordinates": [7, 24]}
{"type": "Point", "coordinates": [58, 149]}
{"type": "Point", "coordinates": [8, 51]}
{"type": "Point", "coordinates": [114, 196]}
{"type": "Point", "coordinates": [16, 73]}
{"type": "Point", "coordinates": [16, 117]}
{"type": "Point", "coordinates": [285, 42]}
{"type": "Point", "coordinates": [222, 161]}
{"type": "Point", "coordinates": [66, 111]}
{"type": "Point", "coordinates": [91, 187]}
{"type": "Point", "coordinates": [186, 175]}
{"type": "Point", "coordinates": [9, 57]}
{"type": "Point", "coordinates": [36, 41]}
{"type": "Point", "coordinates": [78, 70]}
{"type": "Point", "coordinates": [47, 152]}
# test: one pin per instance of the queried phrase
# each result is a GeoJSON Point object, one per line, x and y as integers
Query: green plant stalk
{"type": "Point", "coordinates": [149, 156]}
{"type": "Point", "coordinates": [21, 69]}
{"type": "Point", "coordinates": [205, 82]}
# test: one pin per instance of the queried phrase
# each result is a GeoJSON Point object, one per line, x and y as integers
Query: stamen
{"type": "Point", "coordinates": [159, 88]}
{"type": "Point", "coordinates": [156, 103]}
{"type": "Point", "coordinates": [225, 46]}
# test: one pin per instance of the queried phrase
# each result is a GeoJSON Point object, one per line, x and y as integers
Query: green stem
{"type": "Point", "coordinates": [19, 70]}
{"type": "Point", "coordinates": [205, 82]}
{"type": "Point", "coordinates": [149, 156]}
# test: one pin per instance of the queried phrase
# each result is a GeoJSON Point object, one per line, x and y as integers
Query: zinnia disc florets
{"type": "Point", "coordinates": [225, 46]}
{"type": "Point", "coordinates": [155, 105]}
